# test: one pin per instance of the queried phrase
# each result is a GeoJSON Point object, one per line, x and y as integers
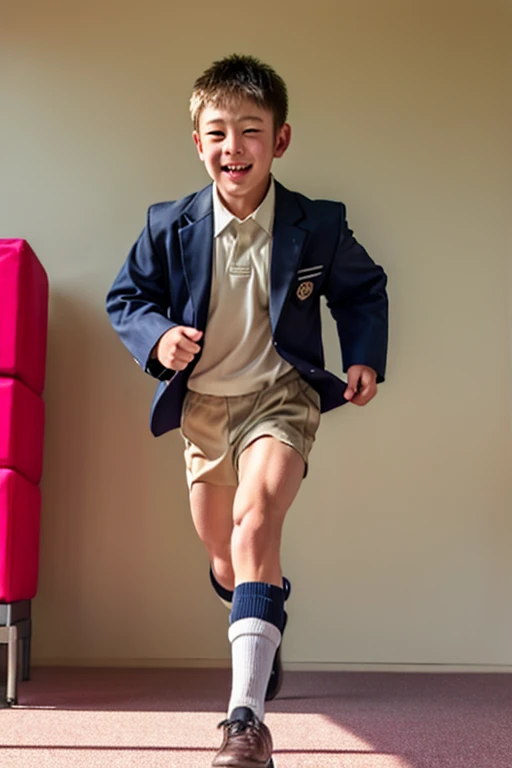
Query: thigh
{"type": "Point", "coordinates": [212, 513]}
{"type": "Point", "coordinates": [270, 474]}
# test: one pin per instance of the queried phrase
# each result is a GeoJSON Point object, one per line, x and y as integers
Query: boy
{"type": "Point", "coordinates": [220, 300]}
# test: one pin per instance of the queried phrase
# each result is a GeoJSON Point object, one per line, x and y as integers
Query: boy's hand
{"type": "Point", "coordinates": [177, 347]}
{"type": "Point", "coordinates": [361, 384]}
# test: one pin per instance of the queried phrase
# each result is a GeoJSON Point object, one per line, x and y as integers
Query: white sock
{"type": "Point", "coordinates": [254, 643]}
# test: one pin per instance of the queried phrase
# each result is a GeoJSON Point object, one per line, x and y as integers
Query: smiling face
{"type": "Point", "coordinates": [237, 144]}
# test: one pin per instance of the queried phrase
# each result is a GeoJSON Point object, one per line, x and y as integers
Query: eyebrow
{"type": "Point", "coordinates": [238, 119]}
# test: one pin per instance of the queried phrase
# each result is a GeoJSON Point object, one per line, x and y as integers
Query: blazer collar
{"type": "Point", "coordinates": [289, 239]}
{"type": "Point", "coordinates": [200, 206]}
{"type": "Point", "coordinates": [287, 208]}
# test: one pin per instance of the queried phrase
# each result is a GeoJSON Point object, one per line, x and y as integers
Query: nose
{"type": "Point", "coordinates": [233, 143]}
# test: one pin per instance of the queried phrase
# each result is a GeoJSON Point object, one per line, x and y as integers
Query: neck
{"type": "Point", "coordinates": [241, 207]}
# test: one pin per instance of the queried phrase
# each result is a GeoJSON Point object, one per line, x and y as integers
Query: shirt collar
{"type": "Point", "coordinates": [263, 215]}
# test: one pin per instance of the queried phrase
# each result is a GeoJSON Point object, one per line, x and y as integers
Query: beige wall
{"type": "Point", "coordinates": [399, 545]}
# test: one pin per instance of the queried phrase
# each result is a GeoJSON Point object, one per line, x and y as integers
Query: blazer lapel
{"type": "Point", "coordinates": [288, 245]}
{"type": "Point", "coordinates": [196, 240]}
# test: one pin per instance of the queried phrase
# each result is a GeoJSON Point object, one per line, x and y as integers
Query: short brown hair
{"type": "Point", "coordinates": [237, 77]}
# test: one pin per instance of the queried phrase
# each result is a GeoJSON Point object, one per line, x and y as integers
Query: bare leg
{"type": "Point", "coordinates": [270, 476]}
{"type": "Point", "coordinates": [212, 513]}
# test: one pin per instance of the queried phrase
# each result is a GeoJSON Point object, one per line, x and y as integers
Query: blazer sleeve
{"type": "Point", "coordinates": [357, 299]}
{"type": "Point", "coordinates": [138, 302]}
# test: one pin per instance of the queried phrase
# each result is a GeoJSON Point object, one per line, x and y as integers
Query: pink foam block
{"type": "Point", "coordinates": [23, 314]}
{"type": "Point", "coordinates": [21, 429]}
{"type": "Point", "coordinates": [20, 515]}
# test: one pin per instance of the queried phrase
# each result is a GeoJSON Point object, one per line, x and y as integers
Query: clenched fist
{"type": "Point", "coordinates": [361, 384]}
{"type": "Point", "coordinates": [177, 347]}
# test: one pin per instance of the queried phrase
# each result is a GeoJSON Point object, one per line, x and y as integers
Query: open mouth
{"type": "Point", "coordinates": [236, 171]}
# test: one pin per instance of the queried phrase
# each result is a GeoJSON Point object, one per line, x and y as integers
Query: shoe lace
{"type": "Point", "coordinates": [234, 727]}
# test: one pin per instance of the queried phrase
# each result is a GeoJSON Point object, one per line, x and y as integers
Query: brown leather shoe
{"type": "Point", "coordinates": [247, 742]}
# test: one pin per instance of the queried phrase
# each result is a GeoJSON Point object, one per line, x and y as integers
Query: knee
{"type": "Point", "coordinates": [256, 524]}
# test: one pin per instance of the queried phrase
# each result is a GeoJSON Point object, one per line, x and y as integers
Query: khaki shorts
{"type": "Point", "coordinates": [217, 429]}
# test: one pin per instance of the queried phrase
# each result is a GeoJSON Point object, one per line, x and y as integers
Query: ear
{"type": "Point", "coordinates": [283, 139]}
{"type": "Point", "coordinates": [198, 143]}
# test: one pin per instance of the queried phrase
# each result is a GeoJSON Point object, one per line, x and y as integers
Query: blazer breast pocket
{"type": "Point", "coordinates": [307, 282]}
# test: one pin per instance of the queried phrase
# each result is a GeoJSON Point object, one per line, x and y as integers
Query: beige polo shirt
{"type": "Point", "coordinates": [238, 354]}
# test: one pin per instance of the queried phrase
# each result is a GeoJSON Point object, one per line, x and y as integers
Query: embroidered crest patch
{"type": "Point", "coordinates": [305, 289]}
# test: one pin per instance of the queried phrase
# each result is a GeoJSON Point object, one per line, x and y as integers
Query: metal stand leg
{"type": "Point", "coordinates": [25, 675]}
{"type": "Point", "coordinates": [12, 664]}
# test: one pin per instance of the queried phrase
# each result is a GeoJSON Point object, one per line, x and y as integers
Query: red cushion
{"type": "Point", "coordinates": [21, 429]}
{"type": "Point", "coordinates": [23, 314]}
{"type": "Point", "coordinates": [20, 514]}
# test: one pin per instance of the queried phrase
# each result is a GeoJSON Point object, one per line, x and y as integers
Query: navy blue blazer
{"type": "Point", "coordinates": [166, 281]}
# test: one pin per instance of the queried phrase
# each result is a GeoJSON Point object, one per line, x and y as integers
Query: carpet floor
{"type": "Point", "coordinates": [167, 718]}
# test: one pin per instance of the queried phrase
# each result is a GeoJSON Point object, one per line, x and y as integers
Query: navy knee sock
{"type": "Point", "coordinates": [257, 600]}
{"type": "Point", "coordinates": [227, 594]}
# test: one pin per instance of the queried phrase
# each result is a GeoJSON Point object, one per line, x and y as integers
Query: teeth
{"type": "Point", "coordinates": [237, 167]}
